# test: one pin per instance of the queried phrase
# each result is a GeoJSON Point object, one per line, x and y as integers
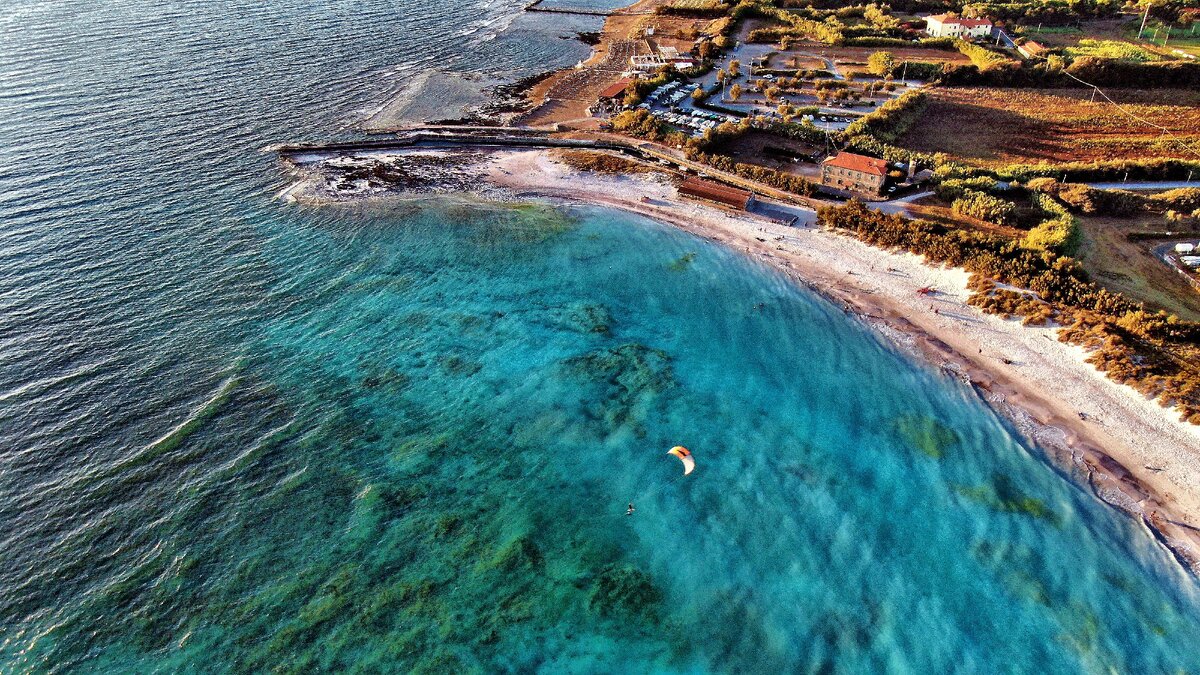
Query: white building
{"type": "Point", "coordinates": [942, 25]}
{"type": "Point", "coordinates": [1185, 248]}
{"type": "Point", "coordinates": [666, 56]}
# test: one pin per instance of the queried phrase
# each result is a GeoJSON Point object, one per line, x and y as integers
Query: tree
{"type": "Point", "coordinates": [722, 75]}
{"type": "Point", "coordinates": [698, 94]}
{"type": "Point", "coordinates": [735, 68]}
{"type": "Point", "coordinates": [881, 63]}
{"type": "Point", "coordinates": [735, 92]}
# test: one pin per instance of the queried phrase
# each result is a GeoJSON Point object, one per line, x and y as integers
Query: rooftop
{"type": "Point", "coordinates": [969, 23]}
{"type": "Point", "coordinates": [849, 160]}
{"type": "Point", "coordinates": [614, 90]}
{"type": "Point", "coordinates": [717, 192]}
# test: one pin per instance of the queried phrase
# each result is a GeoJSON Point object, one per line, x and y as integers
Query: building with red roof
{"type": "Point", "coordinates": [849, 172]}
{"type": "Point", "coordinates": [944, 25]}
{"type": "Point", "coordinates": [616, 90]}
{"type": "Point", "coordinates": [698, 188]}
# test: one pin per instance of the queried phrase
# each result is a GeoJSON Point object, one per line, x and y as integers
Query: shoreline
{"type": "Point", "coordinates": [1119, 451]}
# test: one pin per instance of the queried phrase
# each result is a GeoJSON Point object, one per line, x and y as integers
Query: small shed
{"type": "Point", "coordinates": [716, 192]}
{"type": "Point", "coordinates": [1184, 248]}
{"type": "Point", "coordinates": [616, 90]}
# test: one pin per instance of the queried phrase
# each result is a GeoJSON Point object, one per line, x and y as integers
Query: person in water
{"type": "Point", "coordinates": [629, 511]}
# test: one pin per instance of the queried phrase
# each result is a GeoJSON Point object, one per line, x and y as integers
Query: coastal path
{"type": "Point", "coordinates": [1147, 185]}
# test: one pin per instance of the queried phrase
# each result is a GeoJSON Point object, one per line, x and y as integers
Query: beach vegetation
{"type": "Point", "coordinates": [985, 207]}
{"type": "Point", "coordinates": [1156, 353]}
{"type": "Point", "coordinates": [597, 161]}
{"type": "Point", "coordinates": [697, 8]}
{"type": "Point", "coordinates": [640, 123]}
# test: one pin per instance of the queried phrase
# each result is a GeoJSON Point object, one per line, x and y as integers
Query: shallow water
{"type": "Point", "coordinates": [240, 435]}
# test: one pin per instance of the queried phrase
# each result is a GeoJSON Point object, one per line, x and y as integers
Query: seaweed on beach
{"type": "Point", "coordinates": [927, 435]}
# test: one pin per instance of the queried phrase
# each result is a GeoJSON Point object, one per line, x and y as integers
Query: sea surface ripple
{"type": "Point", "coordinates": [238, 435]}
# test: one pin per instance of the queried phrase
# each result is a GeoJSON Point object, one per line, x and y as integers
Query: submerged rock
{"type": "Point", "coordinates": [682, 263]}
{"type": "Point", "coordinates": [1002, 494]}
{"type": "Point", "coordinates": [625, 383]}
{"type": "Point", "coordinates": [926, 434]}
{"type": "Point", "coordinates": [624, 592]}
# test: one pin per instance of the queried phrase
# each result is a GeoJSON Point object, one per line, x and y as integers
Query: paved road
{"type": "Point", "coordinates": [1147, 185]}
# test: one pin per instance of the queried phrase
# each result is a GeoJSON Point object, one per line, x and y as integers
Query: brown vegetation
{"type": "Point", "coordinates": [1001, 126]}
{"type": "Point", "coordinates": [601, 162]}
{"type": "Point", "coordinates": [1131, 268]}
{"type": "Point", "coordinates": [1155, 353]}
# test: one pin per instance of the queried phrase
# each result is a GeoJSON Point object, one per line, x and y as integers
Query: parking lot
{"type": "Point", "coordinates": [672, 103]}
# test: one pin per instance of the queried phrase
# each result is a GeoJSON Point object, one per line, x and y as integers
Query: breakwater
{"type": "Point", "coordinates": [484, 137]}
{"type": "Point", "coordinates": [539, 6]}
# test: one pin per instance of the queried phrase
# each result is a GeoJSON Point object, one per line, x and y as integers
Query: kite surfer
{"type": "Point", "coordinates": [629, 511]}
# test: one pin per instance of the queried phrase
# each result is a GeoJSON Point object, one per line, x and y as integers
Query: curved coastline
{"type": "Point", "coordinates": [1083, 447]}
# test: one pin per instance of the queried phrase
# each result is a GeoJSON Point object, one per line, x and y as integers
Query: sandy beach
{"type": "Point", "coordinates": [1133, 453]}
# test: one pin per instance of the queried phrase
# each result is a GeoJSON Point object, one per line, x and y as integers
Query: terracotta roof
{"type": "Point", "coordinates": [969, 23]}
{"type": "Point", "coordinates": [849, 160]}
{"type": "Point", "coordinates": [716, 192]}
{"type": "Point", "coordinates": [614, 90]}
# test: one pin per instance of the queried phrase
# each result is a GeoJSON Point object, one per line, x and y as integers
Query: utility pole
{"type": "Point", "coordinates": [1144, 17]}
{"type": "Point", "coordinates": [1168, 38]}
{"type": "Point", "coordinates": [904, 74]}
{"type": "Point", "coordinates": [1094, 90]}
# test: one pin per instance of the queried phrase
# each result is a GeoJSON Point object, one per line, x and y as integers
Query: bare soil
{"type": "Point", "coordinates": [1002, 126]}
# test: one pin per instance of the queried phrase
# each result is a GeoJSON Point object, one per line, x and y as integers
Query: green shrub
{"type": "Point", "coordinates": [985, 207]}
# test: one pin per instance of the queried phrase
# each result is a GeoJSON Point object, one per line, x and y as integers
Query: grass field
{"type": "Point", "coordinates": [1004, 126]}
{"type": "Point", "coordinates": [1131, 268]}
{"type": "Point", "coordinates": [1116, 32]}
{"type": "Point", "coordinates": [1187, 41]}
{"type": "Point", "coordinates": [859, 55]}
{"type": "Point", "coordinates": [1111, 49]}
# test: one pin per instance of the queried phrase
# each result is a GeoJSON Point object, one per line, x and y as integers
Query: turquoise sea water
{"type": "Point", "coordinates": [237, 435]}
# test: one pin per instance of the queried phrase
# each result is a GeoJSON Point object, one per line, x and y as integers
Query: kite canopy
{"type": "Point", "coordinates": [684, 456]}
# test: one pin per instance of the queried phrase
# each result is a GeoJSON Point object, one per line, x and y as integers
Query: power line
{"type": "Point", "coordinates": [1166, 132]}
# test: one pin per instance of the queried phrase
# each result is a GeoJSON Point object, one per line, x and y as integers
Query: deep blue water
{"type": "Point", "coordinates": [241, 435]}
